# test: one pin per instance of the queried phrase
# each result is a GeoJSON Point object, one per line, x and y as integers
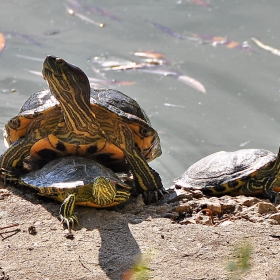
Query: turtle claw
{"type": "Point", "coordinates": [154, 196]}
{"type": "Point", "coordinates": [66, 212]}
{"type": "Point", "coordinates": [69, 221]}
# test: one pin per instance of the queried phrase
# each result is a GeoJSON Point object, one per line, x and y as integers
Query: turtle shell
{"type": "Point", "coordinates": [73, 175]}
{"type": "Point", "coordinates": [40, 105]}
{"type": "Point", "coordinates": [224, 172]}
{"type": "Point", "coordinates": [42, 108]}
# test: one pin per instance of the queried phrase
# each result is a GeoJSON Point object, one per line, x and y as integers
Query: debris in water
{"type": "Point", "coordinates": [2, 42]}
{"type": "Point", "coordinates": [266, 47]}
{"type": "Point", "coordinates": [84, 18]}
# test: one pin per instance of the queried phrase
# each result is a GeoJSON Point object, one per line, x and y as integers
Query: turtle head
{"type": "Point", "coordinates": [103, 191]}
{"type": "Point", "coordinates": [65, 80]}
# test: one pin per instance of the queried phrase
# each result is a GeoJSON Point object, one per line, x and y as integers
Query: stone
{"type": "Point", "coordinates": [228, 206]}
{"type": "Point", "coordinates": [215, 207]}
{"type": "Point", "coordinates": [265, 207]}
{"type": "Point", "coordinates": [188, 221]}
{"type": "Point", "coordinates": [177, 195]}
{"type": "Point", "coordinates": [182, 208]}
{"type": "Point", "coordinates": [225, 223]}
{"type": "Point", "coordinates": [172, 216]}
{"type": "Point", "coordinates": [246, 201]}
{"type": "Point", "coordinates": [276, 217]}
{"type": "Point", "coordinates": [197, 194]}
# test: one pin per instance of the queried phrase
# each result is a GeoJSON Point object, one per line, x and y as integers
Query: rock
{"type": "Point", "coordinates": [176, 195]}
{"type": "Point", "coordinates": [265, 207]}
{"type": "Point", "coordinates": [182, 208]}
{"type": "Point", "coordinates": [172, 216]}
{"type": "Point", "coordinates": [228, 204]}
{"type": "Point", "coordinates": [225, 223]}
{"type": "Point", "coordinates": [188, 221]}
{"type": "Point", "coordinates": [215, 207]}
{"type": "Point", "coordinates": [275, 217]}
{"type": "Point", "coordinates": [197, 194]}
{"type": "Point", "coordinates": [246, 201]}
{"type": "Point", "coordinates": [238, 208]}
{"type": "Point", "coordinates": [270, 222]}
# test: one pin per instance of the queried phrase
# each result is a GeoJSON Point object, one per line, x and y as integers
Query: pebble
{"type": "Point", "coordinates": [178, 195]}
{"type": "Point", "coordinates": [187, 205]}
{"type": "Point", "coordinates": [188, 221]}
{"type": "Point", "coordinates": [225, 223]}
{"type": "Point", "coordinates": [197, 194]}
{"type": "Point", "coordinates": [275, 217]}
{"type": "Point", "coordinates": [246, 201]}
{"type": "Point", "coordinates": [172, 216]}
{"type": "Point", "coordinates": [182, 208]}
{"type": "Point", "coordinates": [215, 207]}
{"type": "Point", "coordinates": [228, 205]}
{"type": "Point", "coordinates": [265, 207]}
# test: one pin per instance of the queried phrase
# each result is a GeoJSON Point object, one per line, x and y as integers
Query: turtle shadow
{"type": "Point", "coordinates": [118, 249]}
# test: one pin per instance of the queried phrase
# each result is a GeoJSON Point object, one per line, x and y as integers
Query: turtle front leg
{"type": "Point", "coordinates": [66, 212]}
{"type": "Point", "coordinates": [13, 157]}
{"type": "Point", "coordinates": [147, 180]}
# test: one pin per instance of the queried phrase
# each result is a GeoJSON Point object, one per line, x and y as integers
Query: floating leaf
{"type": "Point", "coordinates": [2, 42]}
{"type": "Point", "coordinates": [192, 83]}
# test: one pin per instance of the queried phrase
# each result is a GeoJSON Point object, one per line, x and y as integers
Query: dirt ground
{"type": "Point", "coordinates": [176, 238]}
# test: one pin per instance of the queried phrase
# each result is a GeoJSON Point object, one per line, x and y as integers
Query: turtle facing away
{"type": "Point", "coordinates": [110, 138]}
{"type": "Point", "coordinates": [77, 181]}
{"type": "Point", "coordinates": [246, 171]}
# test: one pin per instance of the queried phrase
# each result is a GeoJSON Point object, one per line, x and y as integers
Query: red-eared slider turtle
{"type": "Point", "coordinates": [79, 132]}
{"type": "Point", "coordinates": [247, 171]}
{"type": "Point", "coordinates": [77, 181]}
{"type": "Point", "coordinates": [42, 109]}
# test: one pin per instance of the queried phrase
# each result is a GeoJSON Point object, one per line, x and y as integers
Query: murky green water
{"type": "Point", "coordinates": [241, 107]}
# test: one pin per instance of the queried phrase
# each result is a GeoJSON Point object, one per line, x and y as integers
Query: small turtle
{"type": "Point", "coordinates": [78, 131]}
{"type": "Point", "coordinates": [77, 181]}
{"type": "Point", "coordinates": [246, 171]}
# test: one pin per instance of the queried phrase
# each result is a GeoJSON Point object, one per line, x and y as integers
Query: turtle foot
{"type": "Point", "coordinates": [66, 212]}
{"type": "Point", "coordinates": [274, 197]}
{"type": "Point", "coordinates": [69, 221]}
{"type": "Point", "coordinates": [154, 196]}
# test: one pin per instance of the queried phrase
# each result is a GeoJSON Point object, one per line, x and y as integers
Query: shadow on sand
{"type": "Point", "coordinates": [118, 249]}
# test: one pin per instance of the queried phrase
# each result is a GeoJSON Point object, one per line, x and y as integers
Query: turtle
{"type": "Point", "coordinates": [78, 131]}
{"type": "Point", "coordinates": [246, 171]}
{"type": "Point", "coordinates": [43, 106]}
{"type": "Point", "coordinates": [74, 181]}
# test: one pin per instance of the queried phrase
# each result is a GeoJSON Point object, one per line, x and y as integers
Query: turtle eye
{"type": "Point", "coordinates": [60, 62]}
{"type": "Point", "coordinates": [144, 131]}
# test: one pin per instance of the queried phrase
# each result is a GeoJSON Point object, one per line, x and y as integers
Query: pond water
{"type": "Point", "coordinates": [240, 108]}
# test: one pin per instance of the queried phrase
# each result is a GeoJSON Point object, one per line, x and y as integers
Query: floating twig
{"type": "Point", "coordinates": [266, 47]}
{"type": "Point", "coordinates": [84, 18]}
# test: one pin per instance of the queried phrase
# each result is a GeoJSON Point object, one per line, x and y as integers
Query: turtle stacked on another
{"type": "Point", "coordinates": [71, 119]}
